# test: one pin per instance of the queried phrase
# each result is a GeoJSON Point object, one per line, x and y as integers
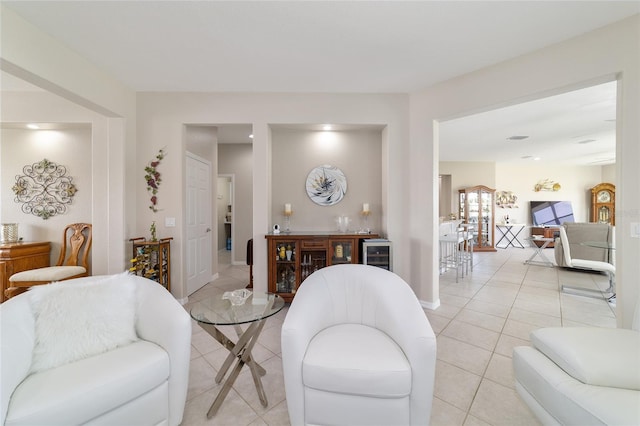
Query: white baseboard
{"type": "Point", "coordinates": [431, 306]}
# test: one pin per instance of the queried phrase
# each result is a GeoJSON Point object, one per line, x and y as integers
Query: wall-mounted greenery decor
{"type": "Point", "coordinates": [44, 190]}
{"type": "Point", "coordinates": [152, 177]}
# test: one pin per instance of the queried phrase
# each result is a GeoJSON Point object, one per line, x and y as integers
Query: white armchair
{"type": "Point", "coordinates": [141, 382]}
{"type": "Point", "coordinates": [581, 375]}
{"type": "Point", "coordinates": [357, 349]}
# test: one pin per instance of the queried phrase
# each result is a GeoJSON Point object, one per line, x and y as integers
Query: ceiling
{"type": "Point", "coordinates": [573, 128]}
{"type": "Point", "coordinates": [316, 46]}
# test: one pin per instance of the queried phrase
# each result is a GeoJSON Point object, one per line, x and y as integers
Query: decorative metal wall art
{"type": "Point", "coordinates": [45, 190]}
{"type": "Point", "coordinates": [506, 199]}
{"type": "Point", "coordinates": [546, 185]}
{"type": "Point", "coordinates": [326, 185]}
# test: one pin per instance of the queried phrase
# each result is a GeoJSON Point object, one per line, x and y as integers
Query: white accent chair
{"type": "Point", "coordinates": [357, 349]}
{"type": "Point", "coordinates": [141, 383]}
{"type": "Point", "coordinates": [593, 265]}
{"type": "Point", "coordinates": [581, 375]}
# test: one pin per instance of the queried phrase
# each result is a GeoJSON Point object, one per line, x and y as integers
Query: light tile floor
{"type": "Point", "coordinates": [480, 320]}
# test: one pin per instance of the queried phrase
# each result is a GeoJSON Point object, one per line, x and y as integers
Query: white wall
{"type": "Point", "coordinates": [608, 53]}
{"type": "Point", "coordinates": [223, 203]}
{"type": "Point", "coordinates": [609, 174]}
{"type": "Point", "coordinates": [410, 140]}
{"type": "Point", "coordinates": [69, 148]}
{"type": "Point", "coordinates": [84, 153]}
{"type": "Point", "coordinates": [467, 174]}
{"type": "Point", "coordinates": [575, 182]}
{"type": "Point", "coordinates": [237, 159]}
{"type": "Point", "coordinates": [357, 153]}
{"type": "Point", "coordinates": [161, 117]}
{"type": "Point", "coordinates": [27, 53]}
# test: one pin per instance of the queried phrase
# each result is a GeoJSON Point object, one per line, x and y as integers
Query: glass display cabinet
{"type": "Point", "coordinates": [292, 257]}
{"type": "Point", "coordinates": [285, 266]}
{"type": "Point", "coordinates": [341, 251]}
{"type": "Point", "coordinates": [477, 208]}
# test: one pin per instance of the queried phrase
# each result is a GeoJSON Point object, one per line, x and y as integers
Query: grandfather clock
{"type": "Point", "coordinates": [603, 203]}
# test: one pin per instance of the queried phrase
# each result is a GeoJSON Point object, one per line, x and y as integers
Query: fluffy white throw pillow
{"type": "Point", "coordinates": [78, 320]}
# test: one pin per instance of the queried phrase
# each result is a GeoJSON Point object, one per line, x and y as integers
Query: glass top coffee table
{"type": "Point", "coordinates": [217, 310]}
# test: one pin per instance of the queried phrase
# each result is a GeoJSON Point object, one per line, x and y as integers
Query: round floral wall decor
{"type": "Point", "coordinates": [326, 185]}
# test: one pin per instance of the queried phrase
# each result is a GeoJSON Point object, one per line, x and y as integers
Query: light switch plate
{"type": "Point", "coordinates": [169, 222]}
{"type": "Point", "coordinates": [635, 230]}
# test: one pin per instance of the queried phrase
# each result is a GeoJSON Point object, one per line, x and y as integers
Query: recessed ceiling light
{"type": "Point", "coordinates": [251, 136]}
{"type": "Point", "coordinates": [326, 127]}
{"type": "Point", "coordinates": [517, 138]}
{"type": "Point", "coordinates": [582, 142]}
{"type": "Point", "coordinates": [33, 126]}
{"type": "Point", "coordinates": [536, 159]}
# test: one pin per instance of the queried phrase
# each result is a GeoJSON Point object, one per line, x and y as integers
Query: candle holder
{"type": "Point", "coordinates": [365, 219]}
{"type": "Point", "coordinates": [287, 220]}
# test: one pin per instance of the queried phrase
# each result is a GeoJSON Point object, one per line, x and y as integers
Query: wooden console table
{"type": "Point", "coordinates": [293, 256]}
{"type": "Point", "coordinates": [546, 232]}
{"type": "Point", "coordinates": [21, 256]}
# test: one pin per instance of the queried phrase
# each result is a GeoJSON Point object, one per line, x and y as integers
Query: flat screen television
{"type": "Point", "coordinates": [551, 212]}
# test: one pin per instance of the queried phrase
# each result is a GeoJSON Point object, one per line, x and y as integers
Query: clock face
{"type": "Point", "coordinates": [604, 197]}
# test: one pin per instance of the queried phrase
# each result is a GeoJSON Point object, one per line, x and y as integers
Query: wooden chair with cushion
{"type": "Point", "coordinates": [72, 262]}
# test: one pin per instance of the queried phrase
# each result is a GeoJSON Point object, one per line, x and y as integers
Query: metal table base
{"type": "Point", "coordinates": [216, 311]}
{"type": "Point", "coordinates": [510, 238]}
{"type": "Point", "coordinates": [240, 351]}
{"type": "Point", "coordinates": [539, 252]}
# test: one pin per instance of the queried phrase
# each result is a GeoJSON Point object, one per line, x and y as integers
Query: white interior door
{"type": "Point", "coordinates": [198, 252]}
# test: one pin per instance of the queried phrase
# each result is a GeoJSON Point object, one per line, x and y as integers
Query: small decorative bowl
{"type": "Point", "coordinates": [238, 297]}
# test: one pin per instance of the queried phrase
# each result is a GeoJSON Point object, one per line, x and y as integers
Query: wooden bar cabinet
{"type": "Point", "coordinates": [292, 257]}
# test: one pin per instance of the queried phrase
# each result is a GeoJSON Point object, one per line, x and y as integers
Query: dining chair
{"type": "Point", "coordinates": [72, 262]}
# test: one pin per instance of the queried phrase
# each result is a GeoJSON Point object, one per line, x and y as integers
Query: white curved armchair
{"type": "Point", "coordinates": [140, 379]}
{"type": "Point", "coordinates": [357, 349]}
{"type": "Point", "coordinates": [581, 375]}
